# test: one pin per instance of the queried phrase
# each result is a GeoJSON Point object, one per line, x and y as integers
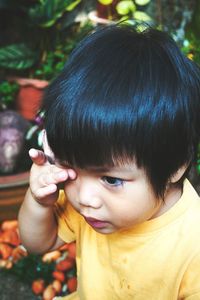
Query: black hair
{"type": "Point", "coordinates": [126, 95]}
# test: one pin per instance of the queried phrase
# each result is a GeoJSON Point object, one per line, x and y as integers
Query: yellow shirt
{"type": "Point", "coordinates": [156, 260]}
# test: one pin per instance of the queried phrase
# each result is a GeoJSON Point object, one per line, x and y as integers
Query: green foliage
{"type": "Point", "coordinates": [17, 57]}
{"type": "Point", "coordinates": [125, 7]}
{"type": "Point", "coordinates": [192, 49]}
{"type": "Point", "coordinates": [198, 160]}
{"type": "Point", "coordinates": [41, 30]}
{"type": "Point", "coordinates": [8, 91]}
{"type": "Point", "coordinates": [47, 12]}
{"type": "Point", "coordinates": [105, 2]}
{"type": "Point", "coordinates": [194, 25]}
{"type": "Point", "coordinates": [192, 34]}
{"type": "Point", "coordinates": [130, 11]}
{"type": "Point", "coordinates": [32, 267]}
{"type": "Point", "coordinates": [54, 61]}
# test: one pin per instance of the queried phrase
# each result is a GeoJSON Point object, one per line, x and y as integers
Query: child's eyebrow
{"type": "Point", "coordinates": [99, 169]}
{"type": "Point", "coordinates": [110, 169]}
{"type": "Point", "coordinates": [92, 168]}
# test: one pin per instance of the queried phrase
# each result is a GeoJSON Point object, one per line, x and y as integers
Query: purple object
{"type": "Point", "coordinates": [13, 128]}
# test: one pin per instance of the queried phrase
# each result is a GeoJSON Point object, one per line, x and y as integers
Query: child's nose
{"type": "Point", "coordinates": [89, 195]}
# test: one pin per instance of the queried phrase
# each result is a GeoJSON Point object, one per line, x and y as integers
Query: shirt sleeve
{"type": "Point", "coordinates": [190, 286]}
{"type": "Point", "coordinates": [67, 219]}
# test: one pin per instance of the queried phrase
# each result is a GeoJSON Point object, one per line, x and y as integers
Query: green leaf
{"type": "Point", "coordinates": [142, 16]}
{"type": "Point", "coordinates": [142, 2]}
{"type": "Point", "coordinates": [47, 12]}
{"type": "Point", "coordinates": [73, 5]}
{"type": "Point", "coordinates": [105, 2]}
{"type": "Point", "coordinates": [198, 169]}
{"type": "Point", "coordinates": [17, 56]}
{"type": "Point", "coordinates": [125, 7]}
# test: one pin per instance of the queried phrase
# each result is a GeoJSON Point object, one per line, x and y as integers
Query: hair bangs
{"type": "Point", "coordinates": [90, 133]}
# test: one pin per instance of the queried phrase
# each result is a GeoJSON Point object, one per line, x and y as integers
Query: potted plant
{"type": "Point", "coordinates": [45, 36]}
{"type": "Point", "coordinates": [14, 144]}
{"type": "Point", "coordinates": [29, 96]}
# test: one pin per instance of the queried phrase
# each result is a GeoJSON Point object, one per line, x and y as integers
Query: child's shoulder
{"type": "Point", "coordinates": [191, 204]}
{"type": "Point", "coordinates": [190, 193]}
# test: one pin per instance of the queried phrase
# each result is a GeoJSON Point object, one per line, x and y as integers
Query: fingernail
{"type": "Point", "coordinates": [33, 152]}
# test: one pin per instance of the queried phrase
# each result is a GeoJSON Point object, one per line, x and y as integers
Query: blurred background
{"type": "Point", "coordinates": [36, 38]}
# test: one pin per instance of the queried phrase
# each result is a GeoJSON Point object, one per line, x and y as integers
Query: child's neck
{"type": "Point", "coordinates": [172, 196]}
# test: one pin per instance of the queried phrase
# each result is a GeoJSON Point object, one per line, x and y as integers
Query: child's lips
{"type": "Point", "coordinates": [96, 223]}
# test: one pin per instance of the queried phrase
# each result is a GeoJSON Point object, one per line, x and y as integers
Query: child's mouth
{"type": "Point", "coordinates": [96, 223]}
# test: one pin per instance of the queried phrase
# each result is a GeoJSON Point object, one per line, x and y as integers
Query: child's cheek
{"type": "Point", "coordinates": [71, 191]}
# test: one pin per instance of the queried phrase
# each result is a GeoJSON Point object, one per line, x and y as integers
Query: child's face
{"type": "Point", "coordinates": [113, 199]}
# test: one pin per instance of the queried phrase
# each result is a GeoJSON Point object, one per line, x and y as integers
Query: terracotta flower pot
{"type": "Point", "coordinates": [29, 97]}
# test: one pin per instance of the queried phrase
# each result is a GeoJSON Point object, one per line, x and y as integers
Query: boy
{"type": "Point", "coordinates": [122, 128]}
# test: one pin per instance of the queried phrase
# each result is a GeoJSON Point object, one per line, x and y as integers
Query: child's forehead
{"type": "Point", "coordinates": [127, 166]}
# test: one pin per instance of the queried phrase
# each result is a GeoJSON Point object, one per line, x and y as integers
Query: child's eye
{"type": "Point", "coordinates": [113, 181]}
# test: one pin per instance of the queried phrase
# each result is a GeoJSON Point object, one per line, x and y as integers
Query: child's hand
{"type": "Point", "coordinates": [44, 178]}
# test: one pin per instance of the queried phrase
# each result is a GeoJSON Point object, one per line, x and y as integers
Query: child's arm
{"type": "Point", "coordinates": [37, 223]}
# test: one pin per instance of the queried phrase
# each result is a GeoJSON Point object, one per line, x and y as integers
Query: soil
{"type": "Point", "coordinates": [12, 289]}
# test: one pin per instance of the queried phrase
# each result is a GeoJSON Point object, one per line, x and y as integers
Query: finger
{"type": "Point", "coordinates": [38, 157]}
{"type": "Point", "coordinates": [72, 174]}
{"type": "Point", "coordinates": [54, 176]}
{"type": "Point", "coordinates": [46, 191]}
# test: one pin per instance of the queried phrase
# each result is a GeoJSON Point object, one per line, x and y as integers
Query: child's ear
{"type": "Point", "coordinates": [47, 150]}
{"type": "Point", "coordinates": [178, 174]}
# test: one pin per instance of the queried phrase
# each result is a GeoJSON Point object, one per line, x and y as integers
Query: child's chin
{"type": "Point", "coordinates": [105, 230]}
